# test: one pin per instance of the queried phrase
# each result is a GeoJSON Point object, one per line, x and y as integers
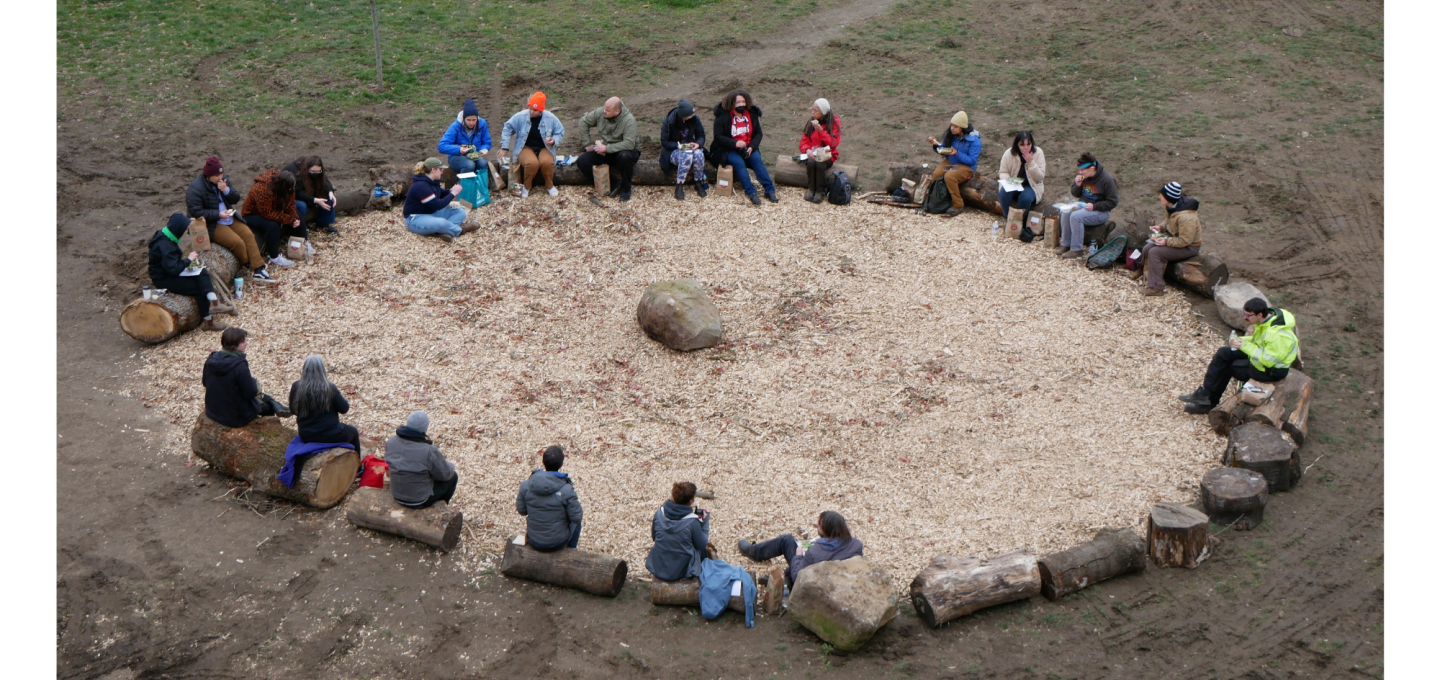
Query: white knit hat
{"type": "Point", "coordinates": [824, 106]}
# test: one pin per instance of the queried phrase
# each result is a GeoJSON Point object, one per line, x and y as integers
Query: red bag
{"type": "Point", "coordinates": [372, 472]}
{"type": "Point", "coordinates": [1132, 261]}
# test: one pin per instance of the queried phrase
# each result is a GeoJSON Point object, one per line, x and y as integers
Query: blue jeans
{"type": "Point", "coordinates": [754, 162]}
{"type": "Point", "coordinates": [463, 164]}
{"type": "Point", "coordinates": [1073, 223]}
{"type": "Point", "coordinates": [443, 221]}
{"type": "Point", "coordinates": [323, 216]}
{"type": "Point", "coordinates": [1023, 200]}
{"type": "Point", "coordinates": [573, 544]}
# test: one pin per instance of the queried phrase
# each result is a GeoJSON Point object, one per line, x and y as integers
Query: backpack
{"type": "Point", "coordinates": [1107, 255]}
{"type": "Point", "coordinates": [938, 200]}
{"type": "Point", "coordinates": [839, 188]}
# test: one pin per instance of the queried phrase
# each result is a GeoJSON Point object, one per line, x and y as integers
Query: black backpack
{"type": "Point", "coordinates": [839, 188]}
{"type": "Point", "coordinates": [938, 200]}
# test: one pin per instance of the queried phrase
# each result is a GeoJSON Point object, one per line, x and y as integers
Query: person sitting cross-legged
{"type": "Point", "coordinates": [552, 510]}
{"type": "Point", "coordinates": [834, 543]}
{"type": "Point", "coordinates": [232, 395]}
{"type": "Point", "coordinates": [1265, 356]}
{"type": "Point", "coordinates": [428, 211]}
{"type": "Point", "coordinates": [419, 474]}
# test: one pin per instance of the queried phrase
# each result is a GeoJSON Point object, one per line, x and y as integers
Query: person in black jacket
{"type": "Point", "coordinates": [317, 404]}
{"type": "Point", "coordinates": [314, 194]}
{"type": "Point", "coordinates": [682, 148]}
{"type": "Point", "coordinates": [232, 396]}
{"type": "Point", "coordinates": [210, 196]}
{"type": "Point", "coordinates": [166, 263]}
{"type": "Point", "coordinates": [737, 143]}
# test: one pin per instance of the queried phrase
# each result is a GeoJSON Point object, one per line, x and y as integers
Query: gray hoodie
{"type": "Point", "coordinates": [680, 537]}
{"type": "Point", "coordinates": [549, 503]}
{"type": "Point", "coordinates": [415, 466]}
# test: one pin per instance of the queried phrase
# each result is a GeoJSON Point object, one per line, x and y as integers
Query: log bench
{"type": "Point", "coordinates": [438, 525]}
{"type": "Point", "coordinates": [1288, 409]}
{"type": "Point", "coordinates": [164, 317]}
{"type": "Point", "coordinates": [256, 452]}
{"type": "Point", "coordinates": [951, 587]}
{"type": "Point", "coordinates": [1177, 536]}
{"type": "Point", "coordinates": [1199, 274]}
{"type": "Point", "coordinates": [568, 568]}
{"type": "Point", "coordinates": [1111, 553]}
{"type": "Point", "coordinates": [769, 592]}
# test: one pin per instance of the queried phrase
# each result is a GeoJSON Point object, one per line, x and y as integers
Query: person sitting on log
{"type": "Point", "coordinates": [427, 208]}
{"type": "Point", "coordinates": [232, 395]}
{"type": "Point", "coordinates": [419, 473]}
{"type": "Point", "coordinates": [737, 143]}
{"type": "Point", "coordinates": [466, 143]}
{"type": "Point", "coordinates": [820, 142]}
{"type": "Point", "coordinates": [680, 533]}
{"type": "Point", "coordinates": [552, 510]}
{"type": "Point", "coordinates": [834, 543]}
{"type": "Point", "coordinates": [314, 194]}
{"type": "Point", "coordinates": [682, 148]}
{"type": "Point", "coordinates": [1264, 357]}
{"type": "Point", "coordinates": [270, 209]}
{"type": "Point", "coordinates": [1179, 240]}
{"type": "Point", "coordinates": [167, 264]}
{"type": "Point", "coordinates": [1097, 188]}
{"type": "Point", "coordinates": [211, 197]}
{"type": "Point", "coordinates": [961, 149]}
{"type": "Point", "coordinates": [317, 404]}
{"type": "Point", "coordinates": [533, 134]}
{"type": "Point", "coordinates": [617, 144]}
{"type": "Point", "coordinates": [1025, 161]}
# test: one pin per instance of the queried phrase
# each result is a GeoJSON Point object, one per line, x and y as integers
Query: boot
{"type": "Point", "coordinates": [810, 195]}
{"type": "Point", "coordinates": [701, 188]}
{"type": "Point", "coordinates": [770, 196]}
{"type": "Point", "coordinates": [1135, 275]}
{"type": "Point", "coordinates": [212, 325]}
{"type": "Point", "coordinates": [755, 198]}
{"type": "Point", "coordinates": [747, 549]}
{"type": "Point", "coordinates": [446, 237]}
{"type": "Point", "coordinates": [679, 192]}
{"type": "Point", "coordinates": [1072, 254]}
{"type": "Point", "coordinates": [1199, 409]}
{"type": "Point", "coordinates": [1060, 250]}
{"type": "Point", "coordinates": [469, 227]}
{"type": "Point", "coordinates": [1151, 292]}
{"type": "Point", "coordinates": [218, 308]}
{"type": "Point", "coordinates": [614, 191]}
{"type": "Point", "coordinates": [282, 411]}
{"type": "Point", "coordinates": [1199, 396]}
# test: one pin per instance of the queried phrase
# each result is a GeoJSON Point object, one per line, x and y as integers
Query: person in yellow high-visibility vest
{"type": "Point", "coordinates": [1264, 357]}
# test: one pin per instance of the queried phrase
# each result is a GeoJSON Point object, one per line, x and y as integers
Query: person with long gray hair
{"type": "Point", "coordinates": [317, 405]}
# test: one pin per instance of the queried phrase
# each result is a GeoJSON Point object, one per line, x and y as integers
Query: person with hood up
{"type": "Point", "coordinates": [617, 144]}
{"type": "Point", "coordinates": [466, 143]}
{"type": "Point", "coordinates": [232, 395]}
{"type": "Point", "coordinates": [820, 142]}
{"type": "Point", "coordinates": [834, 543]}
{"type": "Point", "coordinates": [211, 197]}
{"type": "Point", "coordinates": [552, 510]}
{"type": "Point", "coordinates": [682, 148]}
{"type": "Point", "coordinates": [737, 143]}
{"type": "Point", "coordinates": [167, 263]}
{"type": "Point", "coordinates": [961, 149]}
{"type": "Point", "coordinates": [530, 137]}
{"type": "Point", "coordinates": [1264, 356]}
{"type": "Point", "coordinates": [1100, 194]}
{"type": "Point", "coordinates": [419, 474]}
{"type": "Point", "coordinates": [428, 211]}
{"type": "Point", "coordinates": [681, 533]}
{"type": "Point", "coordinates": [1179, 239]}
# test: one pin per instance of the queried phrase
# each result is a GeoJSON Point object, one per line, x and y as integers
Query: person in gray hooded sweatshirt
{"type": "Point", "coordinates": [681, 534]}
{"type": "Point", "coordinates": [419, 473]}
{"type": "Point", "coordinates": [551, 508]}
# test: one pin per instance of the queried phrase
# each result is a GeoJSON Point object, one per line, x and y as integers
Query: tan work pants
{"type": "Point", "coordinates": [543, 163]}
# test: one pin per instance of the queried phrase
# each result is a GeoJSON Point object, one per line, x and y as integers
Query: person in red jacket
{"type": "Point", "coordinates": [820, 142]}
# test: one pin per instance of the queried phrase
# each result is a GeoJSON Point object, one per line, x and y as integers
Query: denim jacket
{"type": "Point", "coordinates": [517, 129]}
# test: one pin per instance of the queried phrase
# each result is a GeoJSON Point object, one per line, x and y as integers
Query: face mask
{"type": "Point", "coordinates": [316, 174]}
{"type": "Point", "coordinates": [741, 109]}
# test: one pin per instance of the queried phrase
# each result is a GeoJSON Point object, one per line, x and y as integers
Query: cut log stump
{"type": "Point", "coordinates": [591, 572]}
{"type": "Point", "coordinates": [791, 174]}
{"type": "Point", "coordinates": [256, 452]}
{"type": "Point", "coordinates": [771, 585]}
{"type": "Point", "coordinates": [1234, 497]}
{"type": "Point", "coordinates": [1111, 553]}
{"type": "Point", "coordinates": [162, 318]}
{"type": "Point", "coordinates": [686, 593]}
{"type": "Point", "coordinates": [436, 526]}
{"type": "Point", "coordinates": [1177, 536]}
{"type": "Point", "coordinates": [1288, 409]}
{"type": "Point", "coordinates": [951, 587]}
{"type": "Point", "coordinates": [1263, 449]}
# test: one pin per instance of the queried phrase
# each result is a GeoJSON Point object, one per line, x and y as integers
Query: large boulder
{"type": "Point", "coordinates": [1230, 300]}
{"type": "Point", "coordinates": [679, 314]}
{"type": "Point", "coordinates": [843, 602]}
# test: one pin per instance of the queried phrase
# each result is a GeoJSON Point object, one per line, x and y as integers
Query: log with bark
{"type": "Point", "coordinates": [1263, 449]}
{"type": "Point", "coordinates": [1111, 553]}
{"type": "Point", "coordinates": [1288, 408]}
{"type": "Point", "coordinates": [164, 317]}
{"type": "Point", "coordinates": [771, 584]}
{"type": "Point", "coordinates": [568, 568]}
{"type": "Point", "coordinates": [1234, 497]}
{"type": "Point", "coordinates": [256, 452]}
{"type": "Point", "coordinates": [979, 192]}
{"type": "Point", "coordinates": [1177, 536]}
{"type": "Point", "coordinates": [437, 525]}
{"type": "Point", "coordinates": [350, 202]}
{"type": "Point", "coordinates": [791, 174]}
{"type": "Point", "coordinates": [647, 173]}
{"type": "Point", "coordinates": [1199, 274]}
{"type": "Point", "coordinates": [686, 593]}
{"type": "Point", "coordinates": [951, 587]}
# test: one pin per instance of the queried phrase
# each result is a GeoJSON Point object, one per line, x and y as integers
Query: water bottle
{"type": "Point", "coordinates": [239, 288]}
{"type": "Point", "coordinates": [1093, 247]}
{"type": "Point", "coordinates": [995, 231]}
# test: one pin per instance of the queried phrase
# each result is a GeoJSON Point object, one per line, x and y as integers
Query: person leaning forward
{"type": "Point", "coordinates": [167, 263]}
{"type": "Point", "coordinates": [617, 144]}
{"type": "Point", "coordinates": [961, 149]}
{"type": "Point", "coordinates": [232, 395]}
{"type": "Point", "coordinates": [419, 474]}
{"type": "Point", "coordinates": [1265, 356]}
{"type": "Point", "coordinates": [552, 510]}
{"type": "Point", "coordinates": [1178, 240]}
{"type": "Point", "coordinates": [211, 197]}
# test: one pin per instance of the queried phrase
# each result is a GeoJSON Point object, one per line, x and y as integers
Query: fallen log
{"type": "Point", "coordinates": [1261, 448]}
{"type": "Point", "coordinates": [1177, 536]}
{"type": "Point", "coordinates": [979, 192]}
{"type": "Point", "coordinates": [951, 587]}
{"type": "Point", "coordinates": [593, 573]}
{"type": "Point", "coordinates": [1199, 274]}
{"type": "Point", "coordinates": [164, 317]}
{"type": "Point", "coordinates": [1111, 553]}
{"type": "Point", "coordinates": [350, 202]}
{"type": "Point", "coordinates": [437, 525]}
{"type": "Point", "coordinates": [256, 452]}
{"type": "Point", "coordinates": [1234, 497]}
{"type": "Point", "coordinates": [791, 174]}
{"type": "Point", "coordinates": [686, 593]}
{"type": "Point", "coordinates": [1288, 408]}
{"type": "Point", "coordinates": [647, 173]}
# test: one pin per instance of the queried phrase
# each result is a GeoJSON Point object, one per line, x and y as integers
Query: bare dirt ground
{"type": "Point", "coordinates": [157, 579]}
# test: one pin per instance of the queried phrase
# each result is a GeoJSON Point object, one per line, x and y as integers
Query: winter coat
{"type": "Point", "coordinates": [680, 537]}
{"type": "Point", "coordinates": [1183, 224]}
{"type": "Point", "coordinates": [166, 260]}
{"type": "Point", "coordinates": [1010, 163]}
{"type": "Point", "coordinates": [818, 137]}
{"type": "Point", "coordinates": [456, 134]}
{"type": "Point", "coordinates": [826, 550]}
{"type": "Point", "coordinates": [550, 506]}
{"type": "Point", "coordinates": [230, 390]}
{"type": "Point", "coordinates": [293, 167]}
{"type": "Point", "coordinates": [202, 199]}
{"type": "Point", "coordinates": [517, 129]}
{"type": "Point", "coordinates": [325, 425]}
{"type": "Point", "coordinates": [724, 143]}
{"type": "Point", "coordinates": [425, 196]}
{"type": "Point", "coordinates": [1101, 189]}
{"type": "Point", "coordinates": [1274, 344]}
{"type": "Point", "coordinates": [415, 465]}
{"type": "Point", "coordinates": [261, 201]}
{"type": "Point", "coordinates": [618, 134]}
{"type": "Point", "coordinates": [967, 148]}
{"type": "Point", "coordinates": [670, 136]}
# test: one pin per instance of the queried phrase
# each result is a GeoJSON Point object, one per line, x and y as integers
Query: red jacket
{"type": "Point", "coordinates": [819, 137]}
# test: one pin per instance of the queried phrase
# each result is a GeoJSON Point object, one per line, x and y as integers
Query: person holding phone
{"type": "Point", "coordinates": [961, 149]}
{"type": "Point", "coordinates": [314, 194]}
{"type": "Point", "coordinates": [167, 263]}
{"type": "Point", "coordinates": [211, 197]}
{"type": "Point", "coordinates": [737, 143]}
{"type": "Point", "coordinates": [682, 148]}
{"type": "Point", "coordinates": [680, 532]}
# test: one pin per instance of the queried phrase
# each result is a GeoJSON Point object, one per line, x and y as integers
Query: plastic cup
{"type": "Point", "coordinates": [145, 292]}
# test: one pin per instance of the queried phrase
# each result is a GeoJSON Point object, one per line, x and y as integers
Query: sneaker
{"type": "Point", "coordinates": [330, 229]}
{"type": "Point", "coordinates": [679, 192]}
{"type": "Point", "coordinates": [212, 325]}
{"type": "Point", "coordinates": [952, 211]}
{"type": "Point", "coordinates": [701, 188]}
{"type": "Point", "coordinates": [219, 308]}
{"type": "Point", "coordinates": [747, 549]}
{"type": "Point", "coordinates": [553, 192]}
{"type": "Point", "coordinates": [819, 198]}
{"type": "Point", "coordinates": [1151, 292]}
{"type": "Point", "coordinates": [810, 195]}
{"type": "Point", "coordinates": [1072, 254]}
{"type": "Point", "coordinates": [262, 276]}
{"type": "Point", "coordinates": [1199, 396]}
{"type": "Point", "coordinates": [1060, 250]}
{"type": "Point", "coordinates": [282, 261]}
{"type": "Point", "coordinates": [624, 196]}
{"type": "Point", "coordinates": [446, 237]}
{"type": "Point", "coordinates": [770, 196]}
{"type": "Point", "coordinates": [282, 411]}
{"type": "Point", "coordinates": [524, 193]}
{"type": "Point", "coordinates": [1199, 409]}
{"type": "Point", "coordinates": [755, 198]}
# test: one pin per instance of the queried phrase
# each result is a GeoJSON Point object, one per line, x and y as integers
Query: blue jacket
{"type": "Point", "coordinates": [425, 196]}
{"type": "Point", "coordinates": [715, 580]}
{"type": "Point", "coordinates": [456, 134]}
{"type": "Point", "coordinates": [517, 129]}
{"type": "Point", "coordinates": [967, 149]}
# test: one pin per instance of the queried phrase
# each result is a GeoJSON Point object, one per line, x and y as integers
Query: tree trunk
{"type": "Point", "coordinates": [647, 173]}
{"type": "Point", "coordinates": [596, 574]}
{"type": "Point", "coordinates": [1177, 536]}
{"type": "Point", "coordinates": [1111, 553]}
{"type": "Point", "coordinates": [980, 192]}
{"type": "Point", "coordinates": [256, 452]}
{"type": "Point", "coordinates": [1288, 408]}
{"type": "Point", "coordinates": [1263, 449]}
{"type": "Point", "coordinates": [437, 525]}
{"type": "Point", "coordinates": [1234, 497]}
{"type": "Point", "coordinates": [791, 174]}
{"type": "Point", "coordinates": [951, 587]}
{"type": "Point", "coordinates": [159, 319]}
{"type": "Point", "coordinates": [685, 593]}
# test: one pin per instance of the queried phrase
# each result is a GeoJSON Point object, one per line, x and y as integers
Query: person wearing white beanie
{"type": "Point", "coordinates": [820, 143]}
{"type": "Point", "coordinates": [961, 149]}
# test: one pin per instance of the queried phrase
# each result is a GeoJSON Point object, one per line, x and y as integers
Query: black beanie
{"type": "Point", "coordinates": [470, 109]}
{"type": "Point", "coordinates": [178, 223]}
{"type": "Point", "coordinates": [685, 109]}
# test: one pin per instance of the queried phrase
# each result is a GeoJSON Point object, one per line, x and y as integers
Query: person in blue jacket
{"type": "Point", "coordinates": [961, 149]}
{"type": "Point", "coordinates": [466, 142]}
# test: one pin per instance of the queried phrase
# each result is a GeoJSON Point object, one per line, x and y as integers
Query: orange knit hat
{"type": "Point", "coordinates": [536, 101]}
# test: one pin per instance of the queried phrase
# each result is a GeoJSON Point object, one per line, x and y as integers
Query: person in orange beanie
{"type": "Point", "coordinates": [530, 137]}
